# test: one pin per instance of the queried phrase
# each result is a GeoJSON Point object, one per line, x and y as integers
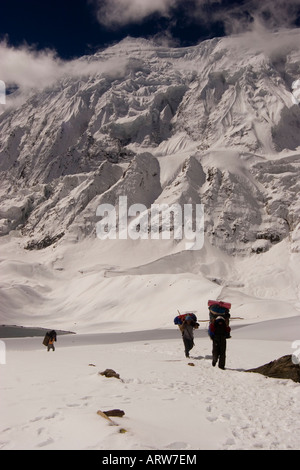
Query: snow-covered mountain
{"type": "Point", "coordinates": [216, 124]}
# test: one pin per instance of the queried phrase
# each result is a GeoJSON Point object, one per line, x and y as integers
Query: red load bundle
{"type": "Point", "coordinates": [220, 303]}
{"type": "Point", "coordinates": [180, 318]}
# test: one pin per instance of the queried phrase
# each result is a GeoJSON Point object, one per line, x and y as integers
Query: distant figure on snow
{"type": "Point", "coordinates": [219, 331]}
{"type": "Point", "coordinates": [49, 340]}
{"type": "Point", "coordinates": [187, 330]}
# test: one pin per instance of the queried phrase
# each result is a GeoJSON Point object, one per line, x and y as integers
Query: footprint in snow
{"type": "Point", "coordinates": [212, 419]}
{"type": "Point", "coordinates": [46, 443]}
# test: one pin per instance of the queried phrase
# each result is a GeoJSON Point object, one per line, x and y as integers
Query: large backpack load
{"type": "Point", "coordinates": [49, 335]}
{"type": "Point", "coordinates": [219, 309]}
{"type": "Point", "coordinates": [181, 317]}
{"type": "Point", "coordinates": [46, 339]}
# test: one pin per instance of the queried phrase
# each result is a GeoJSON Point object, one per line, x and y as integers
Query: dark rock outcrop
{"type": "Point", "coordinates": [114, 412]}
{"type": "Point", "coordinates": [110, 373]}
{"type": "Point", "coordinates": [282, 368]}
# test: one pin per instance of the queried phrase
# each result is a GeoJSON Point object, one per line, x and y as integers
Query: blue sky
{"type": "Point", "coordinates": [73, 28]}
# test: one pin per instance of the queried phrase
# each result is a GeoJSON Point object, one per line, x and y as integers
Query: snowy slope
{"type": "Point", "coordinates": [50, 400]}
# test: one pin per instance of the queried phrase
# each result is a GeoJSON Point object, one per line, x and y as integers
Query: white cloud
{"type": "Point", "coordinates": [115, 13]}
{"type": "Point", "coordinates": [31, 70]}
{"type": "Point", "coordinates": [26, 67]}
{"type": "Point", "coordinates": [253, 20]}
{"type": "Point", "coordinates": [254, 14]}
{"type": "Point", "coordinates": [237, 18]}
{"type": "Point", "coordinates": [276, 14]}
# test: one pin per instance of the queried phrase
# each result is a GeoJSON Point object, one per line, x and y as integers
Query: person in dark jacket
{"type": "Point", "coordinates": [219, 331]}
{"type": "Point", "coordinates": [187, 330]}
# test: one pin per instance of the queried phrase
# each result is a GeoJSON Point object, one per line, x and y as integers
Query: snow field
{"type": "Point", "coordinates": [50, 400]}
